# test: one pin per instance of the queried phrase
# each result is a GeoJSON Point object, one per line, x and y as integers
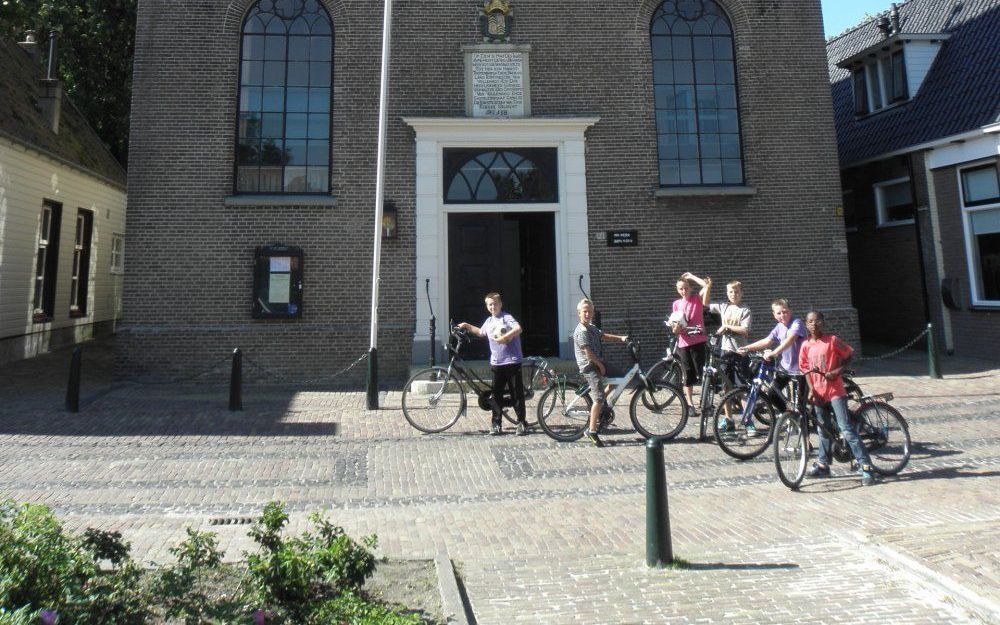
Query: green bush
{"type": "Point", "coordinates": [184, 588]}
{"type": "Point", "coordinates": [350, 608]}
{"type": "Point", "coordinates": [44, 568]}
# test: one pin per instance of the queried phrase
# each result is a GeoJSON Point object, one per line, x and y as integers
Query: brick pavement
{"type": "Point", "coordinates": [543, 532]}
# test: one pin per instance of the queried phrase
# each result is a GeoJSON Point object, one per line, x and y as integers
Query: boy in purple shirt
{"type": "Point", "coordinates": [785, 340]}
{"type": "Point", "coordinates": [503, 333]}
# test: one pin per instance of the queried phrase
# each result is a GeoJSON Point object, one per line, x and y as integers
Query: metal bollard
{"type": "Point", "coordinates": [659, 551]}
{"type": "Point", "coordinates": [236, 381]}
{"type": "Point", "coordinates": [372, 387]}
{"type": "Point", "coordinates": [73, 386]}
{"type": "Point", "coordinates": [933, 359]}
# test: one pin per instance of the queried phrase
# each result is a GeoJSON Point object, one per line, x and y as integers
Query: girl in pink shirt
{"type": "Point", "coordinates": [691, 339]}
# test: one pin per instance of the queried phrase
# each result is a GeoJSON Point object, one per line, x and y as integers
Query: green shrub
{"type": "Point", "coordinates": [24, 616]}
{"type": "Point", "coordinates": [44, 568]}
{"type": "Point", "coordinates": [350, 608]}
{"type": "Point", "coordinates": [183, 588]}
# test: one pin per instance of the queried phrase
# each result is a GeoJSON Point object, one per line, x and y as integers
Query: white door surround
{"type": "Point", "coordinates": [433, 134]}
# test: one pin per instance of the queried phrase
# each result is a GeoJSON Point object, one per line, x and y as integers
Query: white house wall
{"type": "Point", "coordinates": [27, 179]}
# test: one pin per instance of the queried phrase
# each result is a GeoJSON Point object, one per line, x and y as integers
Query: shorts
{"type": "Point", "coordinates": [736, 367]}
{"type": "Point", "coordinates": [692, 361]}
{"type": "Point", "coordinates": [597, 382]}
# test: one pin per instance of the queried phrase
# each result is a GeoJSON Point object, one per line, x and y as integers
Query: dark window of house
{"type": "Point", "coordinates": [694, 82]}
{"type": "Point", "coordinates": [80, 277]}
{"type": "Point", "coordinates": [897, 63]}
{"type": "Point", "coordinates": [46, 262]}
{"type": "Point", "coordinates": [500, 175]}
{"type": "Point", "coordinates": [286, 69]}
{"type": "Point", "coordinates": [979, 185]}
{"type": "Point", "coordinates": [860, 92]}
{"type": "Point", "coordinates": [894, 202]}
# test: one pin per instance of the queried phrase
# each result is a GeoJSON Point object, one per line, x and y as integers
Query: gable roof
{"type": "Point", "coordinates": [960, 93]}
{"type": "Point", "coordinates": [21, 120]}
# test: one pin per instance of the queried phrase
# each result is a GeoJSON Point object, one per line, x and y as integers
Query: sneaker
{"type": "Point", "coordinates": [818, 470]}
{"type": "Point", "coordinates": [522, 428]}
{"type": "Point", "coordinates": [867, 475]}
{"type": "Point", "coordinates": [495, 429]}
{"type": "Point", "coordinates": [725, 425]}
{"type": "Point", "coordinates": [751, 431]}
{"type": "Point", "coordinates": [594, 438]}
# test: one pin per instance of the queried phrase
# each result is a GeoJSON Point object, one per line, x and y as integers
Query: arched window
{"type": "Point", "coordinates": [694, 78]}
{"type": "Point", "coordinates": [286, 68]}
{"type": "Point", "coordinates": [500, 175]}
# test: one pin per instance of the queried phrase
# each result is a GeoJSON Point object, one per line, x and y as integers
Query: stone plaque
{"type": "Point", "coordinates": [496, 81]}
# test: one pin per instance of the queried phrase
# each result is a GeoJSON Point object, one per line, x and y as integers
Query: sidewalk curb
{"type": "Point", "coordinates": [968, 600]}
{"type": "Point", "coordinates": [452, 605]}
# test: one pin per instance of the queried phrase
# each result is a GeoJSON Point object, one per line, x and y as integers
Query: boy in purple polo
{"type": "Point", "coordinates": [785, 340]}
{"type": "Point", "coordinates": [503, 332]}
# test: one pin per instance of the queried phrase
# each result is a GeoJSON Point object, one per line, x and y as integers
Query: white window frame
{"type": "Point", "coordinates": [117, 253]}
{"type": "Point", "coordinates": [877, 70]}
{"type": "Point", "coordinates": [77, 270]}
{"type": "Point", "coordinates": [882, 219]}
{"type": "Point", "coordinates": [42, 251]}
{"type": "Point", "coordinates": [970, 250]}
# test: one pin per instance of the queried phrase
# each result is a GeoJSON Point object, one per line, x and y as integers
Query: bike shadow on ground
{"type": "Point", "coordinates": [926, 451]}
{"type": "Point", "coordinates": [843, 483]}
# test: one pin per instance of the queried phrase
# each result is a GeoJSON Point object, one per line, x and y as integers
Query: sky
{"type": "Point", "coordinates": [839, 15]}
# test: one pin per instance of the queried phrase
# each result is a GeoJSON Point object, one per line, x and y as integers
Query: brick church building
{"type": "Point", "coordinates": [534, 147]}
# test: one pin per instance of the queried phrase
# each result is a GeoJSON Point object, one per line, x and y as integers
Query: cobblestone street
{"type": "Point", "coordinates": [540, 532]}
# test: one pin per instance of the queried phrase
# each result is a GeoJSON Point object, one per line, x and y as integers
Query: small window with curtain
{"type": "Point", "coordinates": [46, 262]}
{"type": "Point", "coordinates": [80, 278]}
{"type": "Point", "coordinates": [286, 70]}
{"type": "Point", "coordinates": [981, 212]}
{"type": "Point", "coordinates": [695, 95]}
{"type": "Point", "coordinates": [894, 202]}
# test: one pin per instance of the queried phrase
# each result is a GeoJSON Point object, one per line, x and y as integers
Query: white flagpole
{"type": "Point", "coordinates": [383, 117]}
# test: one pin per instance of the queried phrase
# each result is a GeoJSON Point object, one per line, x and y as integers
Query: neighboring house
{"type": "Point", "coordinates": [609, 144]}
{"type": "Point", "coordinates": [62, 215]}
{"type": "Point", "coordinates": [917, 105]}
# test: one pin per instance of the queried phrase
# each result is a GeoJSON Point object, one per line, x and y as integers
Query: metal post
{"type": "Point", "coordinates": [433, 324]}
{"type": "Point", "coordinates": [73, 386]}
{"type": "Point", "coordinates": [236, 382]}
{"type": "Point", "coordinates": [383, 118]}
{"type": "Point", "coordinates": [933, 360]}
{"type": "Point", "coordinates": [659, 551]}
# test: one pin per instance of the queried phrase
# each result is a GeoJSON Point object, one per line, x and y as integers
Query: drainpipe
{"type": "Point", "coordinates": [50, 102]}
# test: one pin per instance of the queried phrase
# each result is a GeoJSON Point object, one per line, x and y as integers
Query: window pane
{"type": "Point", "coordinates": [273, 99]}
{"type": "Point", "coordinates": [985, 222]}
{"type": "Point", "coordinates": [896, 194]}
{"type": "Point", "coordinates": [724, 74]}
{"type": "Point", "coordinates": [298, 74]}
{"type": "Point", "coordinates": [670, 172]}
{"type": "Point", "coordinates": [728, 121]}
{"type": "Point", "coordinates": [726, 96]}
{"type": "Point", "coordinates": [274, 49]}
{"type": "Point", "coordinates": [711, 170]}
{"type": "Point", "coordinates": [248, 152]}
{"type": "Point", "coordinates": [297, 100]}
{"type": "Point", "coordinates": [899, 90]}
{"type": "Point", "coordinates": [732, 171]}
{"type": "Point", "coordinates": [319, 100]}
{"type": "Point", "coordinates": [296, 125]}
{"type": "Point", "coordinates": [686, 121]}
{"type": "Point", "coordinates": [666, 121]}
{"type": "Point", "coordinates": [684, 96]}
{"type": "Point", "coordinates": [988, 263]}
{"type": "Point", "coordinates": [319, 74]}
{"type": "Point", "coordinates": [980, 185]}
{"type": "Point", "coordinates": [320, 49]}
{"type": "Point", "coordinates": [710, 148]}
{"type": "Point", "coordinates": [707, 97]}
{"type": "Point", "coordinates": [295, 152]}
{"type": "Point", "coordinates": [729, 146]}
{"type": "Point", "coordinates": [319, 126]}
{"type": "Point", "coordinates": [249, 125]}
{"type": "Point", "coordinates": [318, 153]}
{"type": "Point", "coordinates": [664, 96]}
{"type": "Point", "coordinates": [298, 48]}
{"type": "Point", "coordinates": [690, 173]}
{"type": "Point", "coordinates": [253, 47]}
{"type": "Point", "coordinates": [667, 146]}
{"type": "Point", "coordinates": [295, 179]}
{"type": "Point", "coordinates": [247, 179]}
{"type": "Point", "coordinates": [252, 73]}
{"type": "Point", "coordinates": [703, 48]}
{"type": "Point", "coordinates": [682, 47]}
{"type": "Point", "coordinates": [687, 146]}
{"type": "Point", "coordinates": [661, 48]}
{"type": "Point", "coordinates": [272, 152]}
{"type": "Point", "coordinates": [723, 48]}
{"type": "Point", "coordinates": [708, 120]}
{"type": "Point", "coordinates": [705, 72]}
{"type": "Point", "coordinates": [271, 125]}
{"type": "Point", "coordinates": [270, 179]}
{"type": "Point", "coordinates": [663, 72]}
{"type": "Point", "coordinates": [274, 73]}
{"type": "Point", "coordinates": [317, 179]}
{"type": "Point", "coordinates": [860, 93]}
{"type": "Point", "coordinates": [683, 72]}
{"type": "Point", "coordinates": [250, 99]}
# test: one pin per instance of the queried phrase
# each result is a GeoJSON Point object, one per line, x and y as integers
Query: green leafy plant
{"type": "Point", "coordinates": [182, 587]}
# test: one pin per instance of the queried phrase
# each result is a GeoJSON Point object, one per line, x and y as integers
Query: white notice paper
{"type": "Point", "coordinates": [281, 263]}
{"type": "Point", "coordinates": [279, 288]}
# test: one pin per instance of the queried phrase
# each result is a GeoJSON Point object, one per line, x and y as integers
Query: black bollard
{"type": "Point", "coordinates": [236, 382]}
{"type": "Point", "coordinates": [933, 361]}
{"type": "Point", "coordinates": [371, 396]}
{"type": "Point", "coordinates": [659, 551]}
{"type": "Point", "coordinates": [73, 386]}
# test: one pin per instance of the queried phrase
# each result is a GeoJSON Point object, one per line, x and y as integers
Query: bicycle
{"type": "Point", "coordinates": [656, 408]}
{"type": "Point", "coordinates": [668, 369]}
{"type": "Point", "coordinates": [742, 426]}
{"type": "Point", "coordinates": [882, 430]}
{"type": "Point", "coordinates": [434, 398]}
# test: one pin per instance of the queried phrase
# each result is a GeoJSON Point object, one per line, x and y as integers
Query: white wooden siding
{"type": "Point", "coordinates": [919, 58]}
{"type": "Point", "coordinates": [27, 179]}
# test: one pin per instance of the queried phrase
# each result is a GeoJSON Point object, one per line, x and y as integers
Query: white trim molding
{"type": "Point", "coordinates": [433, 134]}
{"type": "Point", "coordinates": [882, 218]}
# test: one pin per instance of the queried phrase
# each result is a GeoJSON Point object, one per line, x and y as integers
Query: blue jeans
{"type": "Point", "coordinates": [847, 427]}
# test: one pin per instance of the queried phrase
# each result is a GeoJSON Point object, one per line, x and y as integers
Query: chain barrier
{"type": "Point", "coordinates": [898, 351]}
{"type": "Point", "coordinates": [187, 378]}
{"type": "Point", "coordinates": [284, 378]}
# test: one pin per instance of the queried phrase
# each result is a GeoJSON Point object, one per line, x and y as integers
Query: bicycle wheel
{"type": "Point", "coordinates": [705, 408]}
{"type": "Point", "coordinates": [791, 449]}
{"type": "Point", "coordinates": [661, 411]}
{"type": "Point", "coordinates": [885, 435]}
{"type": "Point", "coordinates": [563, 413]}
{"type": "Point", "coordinates": [529, 371]}
{"type": "Point", "coordinates": [432, 400]}
{"type": "Point", "coordinates": [740, 408]}
{"type": "Point", "coordinates": [664, 372]}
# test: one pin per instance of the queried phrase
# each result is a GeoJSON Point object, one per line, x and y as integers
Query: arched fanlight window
{"type": "Point", "coordinates": [286, 69]}
{"type": "Point", "coordinates": [694, 78]}
{"type": "Point", "coordinates": [500, 175]}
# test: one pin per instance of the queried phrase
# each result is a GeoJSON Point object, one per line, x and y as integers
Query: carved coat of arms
{"type": "Point", "coordinates": [496, 19]}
